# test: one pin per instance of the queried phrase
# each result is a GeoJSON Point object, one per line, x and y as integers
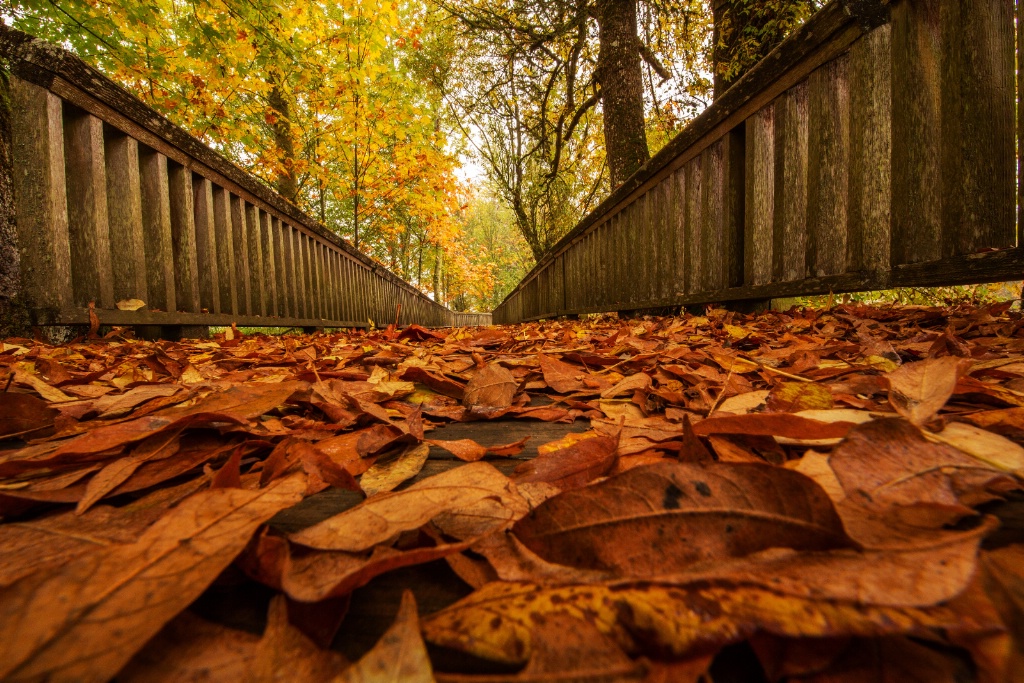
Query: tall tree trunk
{"type": "Point", "coordinates": [437, 273]}
{"type": "Point", "coordinates": [286, 184]}
{"type": "Point", "coordinates": [621, 78]}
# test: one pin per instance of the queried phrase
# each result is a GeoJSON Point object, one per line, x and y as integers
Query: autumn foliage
{"type": "Point", "coordinates": [835, 494]}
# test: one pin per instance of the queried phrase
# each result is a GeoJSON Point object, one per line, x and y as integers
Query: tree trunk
{"type": "Point", "coordinates": [286, 184]}
{"type": "Point", "coordinates": [622, 94]}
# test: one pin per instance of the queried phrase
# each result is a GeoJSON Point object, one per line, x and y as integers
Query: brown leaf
{"type": "Point", "coordinates": [722, 510]}
{"type": "Point", "coordinates": [23, 414]}
{"type": "Point", "coordinates": [491, 387]}
{"type": "Point", "coordinates": [35, 545]}
{"type": "Point", "coordinates": [470, 451]}
{"type": "Point", "coordinates": [772, 424]}
{"type": "Point", "coordinates": [562, 377]}
{"type": "Point", "coordinates": [439, 383]}
{"type": "Point", "coordinates": [573, 466]}
{"type": "Point", "coordinates": [924, 483]}
{"type": "Point", "coordinates": [496, 622]}
{"type": "Point", "coordinates": [285, 654]}
{"type": "Point", "coordinates": [792, 397]}
{"type": "Point", "coordinates": [399, 655]}
{"type": "Point", "coordinates": [116, 473]}
{"type": "Point", "coordinates": [86, 620]}
{"type": "Point", "coordinates": [393, 469]}
{"type": "Point", "coordinates": [316, 576]}
{"type": "Point", "coordinates": [192, 649]}
{"type": "Point", "coordinates": [476, 492]}
{"type": "Point", "coordinates": [919, 390]}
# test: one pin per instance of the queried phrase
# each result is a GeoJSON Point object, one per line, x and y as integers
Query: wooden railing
{"type": "Point", "coordinates": [112, 202]}
{"type": "Point", "coordinates": [874, 148]}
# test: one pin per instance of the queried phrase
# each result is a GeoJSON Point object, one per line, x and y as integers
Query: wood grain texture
{"type": "Point", "coordinates": [156, 222]}
{"type": "Point", "coordinates": [734, 177]}
{"type": "Point", "coordinates": [240, 240]}
{"type": "Point", "coordinates": [916, 116]}
{"type": "Point", "coordinates": [714, 263]}
{"type": "Point", "coordinates": [871, 152]}
{"type": "Point", "coordinates": [666, 238]}
{"type": "Point", "coordinates": [124, 212]}
{"type": "Point", "coordinates": [284, 285]}
{"type": "Point", "coordinates": [183, 238]}
{"type": "Point", "coordinates": [226, 250]}
{"type": "Point", "coordinates": [40, 199]}
{"type": "Point", "coordinates": [257, 293]}
{"type": "Point", "coordinates": [977, 159]}
{"type": "Point", "coordinates": [680, 232]}
{"type": "Point", "coordinates": [760, 205]}
{"type": "Point", "coordinates": [267, 244]}
{"type": "Point", "coordinates": [206, 244]}
{"type": "Point", "coordinates": [828, 165]}
{"type": "Point", "coordinates": [791, 130]}
{"type": "Point", "coordinates": [694, 224]}
{"type": "Point", "coordinates": [88, 224]}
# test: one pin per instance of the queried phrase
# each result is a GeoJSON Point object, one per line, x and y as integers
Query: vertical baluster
{"type": "Point", "coordinates": [828, 167]}
{"type": "Point", "coordinates": [156, 222]}
{"type": "Point", "coordinates": [124, 212]}
{"type": "Point", "coordinates": [258, 287]}
{"type": "Point", "coordinates": [225, 251]}
{"type": "Point", "coordinates": [206, 244]}
{"type": "Point", "coordinates": [183, 238]}
{"type": "Point", "coordinates": [791, 131]}
{"type": "Point", "coordinates": [240, 237]}
{"type": "Point", "coordinates": [285, 286]}
{"type": "Point", "coordinates": [760, 176]}
{"type": "Point", "coordinates": [267, 244]}
{"type": "Point", "coordinates": [40, 197]}
{"type": "Point", "coordinates": [88, 226]}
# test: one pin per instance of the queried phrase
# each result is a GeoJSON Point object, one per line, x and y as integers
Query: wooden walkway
{"type": "Point", "coordinates": [874, 148]}
{"type": "Point", "coordinates": [105, 201]}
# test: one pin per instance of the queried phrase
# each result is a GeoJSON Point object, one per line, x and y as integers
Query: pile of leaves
{"type": "Point", "coordinates": [817, 487]}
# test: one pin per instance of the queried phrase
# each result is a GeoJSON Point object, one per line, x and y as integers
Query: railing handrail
{"type": "Point", "coordinates": [837, 23]}
{"type": "Point", "coordinates": [71, 78]}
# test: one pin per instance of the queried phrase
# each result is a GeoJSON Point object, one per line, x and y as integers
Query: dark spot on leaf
{"type": "Point", "coordinates": [496, 623]}
{"type": "Point", "coordinates": [702, 488]}
{"type": "Point", "coordinates": [672, 495]}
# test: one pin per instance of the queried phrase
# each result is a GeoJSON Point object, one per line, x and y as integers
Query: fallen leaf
{"type": "Point", "coordinates": [920, 482]}
{"type": "Point", "coordinates": [476, 490]}
{"type": "Point", "coordinates": [496, 621]}
{"type": "Point", "coordinates": [130, 304]}
{"type": "Point", "coordinates": [393, 469]}
{"type": "Point", "coordinates": [573, 466]}
{"type": "Point", "coordinates": [491, 387]}
{"type": "Point", "coordinates": [86, 620]}
{"type": "Point", "coordinates": [285, 654]}
{"type": "Point", "coordinates": [919, 390]}
{"type": "Point", "coordinates": [562, 377]}
{"type": "Point", "coordinates": [470, 451]}
{"type": "Point", "coordinates": [399, 655]}
{"type": "Point", "coordinates": [192, 649]}
{"type": "Point", "coordinates": [792, 397]}
{"type": "Point", "coordinates": [23, 414]}
{"type": "Point", "coordinates": [632, 524]}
